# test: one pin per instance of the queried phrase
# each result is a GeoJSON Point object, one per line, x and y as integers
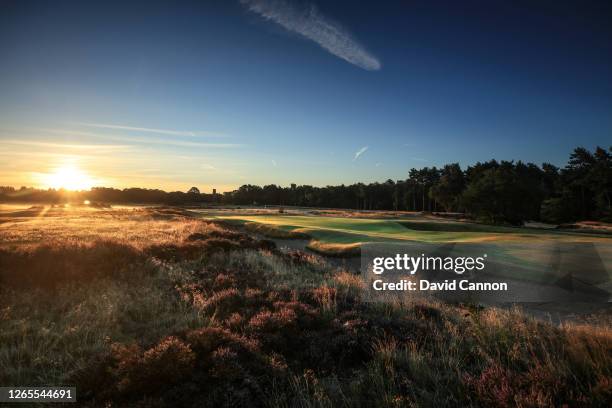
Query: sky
{"type": "Point", "coordinates": [223, 93]}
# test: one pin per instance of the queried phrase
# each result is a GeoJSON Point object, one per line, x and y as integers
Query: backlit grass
{"type": "Point", "coordinates": [355, 230]}
{"type": "Point", "coordinates": [155, 308]}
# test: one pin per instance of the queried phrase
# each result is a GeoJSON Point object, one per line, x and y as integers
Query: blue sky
{"type": "Point", "coordinates": [222, 93]}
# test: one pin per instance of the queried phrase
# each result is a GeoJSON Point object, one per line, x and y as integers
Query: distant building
{"type": "Point", "coordinates": [214, 191]}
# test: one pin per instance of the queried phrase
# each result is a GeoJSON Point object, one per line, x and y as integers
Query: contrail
{"type": "Point", "coordinates": [359, 152]}
{"type": "Point", "coordinates": [308, 22]}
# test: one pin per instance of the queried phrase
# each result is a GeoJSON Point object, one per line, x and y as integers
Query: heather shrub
{"type": "Point", "coordinates": [222, 303]}
{"type": "Point", "coordinates": [226, 239]}
{"type": "Point", "coordinates": [207, 339]}
{"type": "Point", "coordinates": [223, 281]}
{"type": "Point", "coordinates": [273, 322]}
{"type": "Point", "coordinates": [137, 372]}
{"type": "Point", "coordinates": [191, 250]}
{"type": "Point", "coordinates": [217, 233]}
{"type": "Point", "coordinates": [49, 266]}
{"type": "Point", "coordinates": [174, 253]}
{"type": "Point", "coordinates": [218, 318]}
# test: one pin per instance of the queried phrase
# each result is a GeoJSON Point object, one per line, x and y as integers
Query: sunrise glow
{"type": "Point", "coordinates": [69, 177]}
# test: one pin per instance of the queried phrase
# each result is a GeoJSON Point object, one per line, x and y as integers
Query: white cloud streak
{"type": "Point", "coordinates": [144, 140]}
{"type": "Point", "coordinates": [76, 146]}
{"type": "Point", "coordinates": [311, 24]}
{"type": "Point", "coordinates": [359, 152]}
{"type": "Point", "coordinates": [208, 167]}
{"type": "Point", "coordinates": [151, 130]}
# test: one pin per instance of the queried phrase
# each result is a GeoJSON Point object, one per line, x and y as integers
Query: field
{"type": "Point", "coordinates": [522, 255]}
{"type": "Point", "coordinates": [170, 307]}
{"type": "Point", "coordinates": [350, 230]}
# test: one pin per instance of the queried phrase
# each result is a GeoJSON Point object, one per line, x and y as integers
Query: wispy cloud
{"type": "Point", "coordinates": [419, 159]}
{"type": "Point", "coordinates": [274, 163]}
{"type": "Point", "coordinates": [359, 152]}
{"type": "Point", "coordinates": [378, 164]}
{"type": "Point", "coordinates": [151, 130]}
{"type": "Point", "coordinates": [208, 167]}
{"type": "Point", "coordinates": [76, 146]}
{"type": "Point", "coordinates": [179, 143]}
{"type": "Point", "coordinates": [310, 23]}
{"type": "Point", "coordinates": [143, 140]}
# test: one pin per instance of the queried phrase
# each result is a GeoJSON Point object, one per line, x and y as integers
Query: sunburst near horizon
{"type": "Point", "coordinates": [68, 176]}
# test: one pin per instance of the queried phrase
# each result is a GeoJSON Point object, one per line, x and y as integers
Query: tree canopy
{"type": "Point", "coordinates": [492, 191]}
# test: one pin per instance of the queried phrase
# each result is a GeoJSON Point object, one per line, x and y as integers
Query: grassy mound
{"type": "Point", "coordinates": [335, 249]}
{"type": "Point", "coordinates": [447, 226]}
{"type": "Point", "coordinates": [272, 231]}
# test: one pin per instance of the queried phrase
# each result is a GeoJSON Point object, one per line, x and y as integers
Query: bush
{"type": "Point", "coordinates": [146, 373]}
{"type": "Point", "coordinates": [49, 266]}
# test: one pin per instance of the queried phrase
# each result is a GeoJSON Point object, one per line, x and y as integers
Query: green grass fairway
{"type": "Point", "coordinates": [348, 230]}
{"type": "Point", "coordinates": [526, 252]}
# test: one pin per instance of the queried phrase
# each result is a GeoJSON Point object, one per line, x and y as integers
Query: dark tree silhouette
{"type": "Point", "coordinates": [498, 192]}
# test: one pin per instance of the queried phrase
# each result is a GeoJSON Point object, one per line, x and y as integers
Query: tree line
{"type": "Point", "coordinates": [492, 191]}
{"type": "Point", "coordinates": [105, 195]}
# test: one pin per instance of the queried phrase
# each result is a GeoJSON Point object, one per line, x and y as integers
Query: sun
{"type": "Point", "coordinates": [69, 177]}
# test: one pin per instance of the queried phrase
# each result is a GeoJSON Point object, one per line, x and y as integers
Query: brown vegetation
{"type": "Point", "coordinates": [274, 232]}
{"type": "Point", "coordinates": [335, 249]}
{"type": "Point", "coordinates": [201, 315]}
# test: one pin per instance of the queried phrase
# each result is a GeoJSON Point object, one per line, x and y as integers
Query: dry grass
{"type": "Point", "coordinates": [158, 309]}
{"type": "Point", "coordinates": [134, 227]}
{"type": "Point", "coordinates": [273, 232]}
{"type": "Point", "coordinates": [335, 249]}
{"type": "Point", "coordinates": [589, 226]}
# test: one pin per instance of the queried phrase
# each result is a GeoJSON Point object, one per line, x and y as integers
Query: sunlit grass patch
{"type": "Point", "coordinates": [346, 229]}
{"type": "Point", "coordinates": [273, 231]}
{"type": "Point", "coordinates": [335, 249]}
